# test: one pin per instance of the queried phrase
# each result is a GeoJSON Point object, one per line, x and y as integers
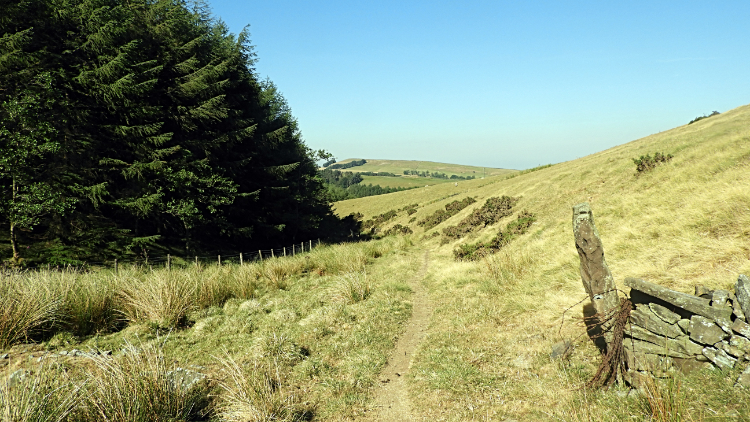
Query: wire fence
{"type": "Point", "coordinates": [168, 261]}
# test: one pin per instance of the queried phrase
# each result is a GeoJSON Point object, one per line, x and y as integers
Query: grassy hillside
{"type": "Point", "coordinates": [684, 223]}
{"type": "Point", "coordinates": [306, 337]}
{"type": "Point", "coordinates": [398, 167]}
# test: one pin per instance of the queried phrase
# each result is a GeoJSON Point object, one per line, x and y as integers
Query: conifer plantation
{"type": "Point", "coordinates": [129, 125]}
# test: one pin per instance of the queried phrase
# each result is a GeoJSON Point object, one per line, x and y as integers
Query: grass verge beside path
{"type": "Point", "coordinates": [317, 328]}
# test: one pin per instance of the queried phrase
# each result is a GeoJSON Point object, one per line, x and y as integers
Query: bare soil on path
{"type": "Point", "coordinates": [391, 402]}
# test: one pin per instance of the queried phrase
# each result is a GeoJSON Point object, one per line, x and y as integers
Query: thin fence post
{"type": "Point", "coordinates": [115, 265]}
{"type": "Point", "coordinates": [293, 251]}
{"type": "Point", "coordinates": [302, 245]}
{"type": "Point", "coordinates": [260, 254]}
{"type": "Point", "coordinates": [48, 265]}
{"type": "Point", "coordinates": [220, 260]}
{"type": "Point", "coordinates": [169, 262]}
{"type": "Point", "coordinates": [318, 241]}
{"type": "Point", "coordinates": [240, 258]}
{"type": "Point", "coordinates": [272, 254]}
{"type": "Point", "coordinates": [284, 250]}
{"type": "Point", "coordinates": [196, 261]}
{"type": "Point", "coordinates": [310, 244]}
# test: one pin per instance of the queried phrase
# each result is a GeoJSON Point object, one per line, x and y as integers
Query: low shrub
{"type": "Point", "coordinates": [398, 229]}
{"type": "Point", "coordinates": [647, 162]}
{"type": "Point", "coordinates": [714, 113]}
{"type": "Point", "coordinates": [451, 209]}
{"type": "Point", "coordinates": [490, 213]}
{"type": "Point", "coordinates": [380, 219]}
{"type": "Point", "coordinates": [519, 226]}
{"type": "Point", "coordinates": [350, 288]}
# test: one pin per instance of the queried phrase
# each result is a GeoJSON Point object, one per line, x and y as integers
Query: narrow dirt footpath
{"type": "Point", "coordinates": [391, 396]}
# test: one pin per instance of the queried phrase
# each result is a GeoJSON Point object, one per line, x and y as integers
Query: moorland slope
{"type": "Point", "coordinates": [680, 224]}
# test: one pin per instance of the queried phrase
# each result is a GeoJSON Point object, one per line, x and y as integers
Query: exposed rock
{"type": "Point", "coordinates": [648, 362]}
{"type": "Point", "coordinates": [741, 328]}
{"type": "Point", "coordinates": [682, 344]}
{"type": "Point", "coordinates": [639, 380]}
{"type": "Point", "coordinates": [703, 330]}
{"type": "Point", "coordinates": [731, 350]}
{"type": "Point", "coordinates": [684, 325]}
{"type": "Point", "coordinates": [5, 356]}
{"type": "Point", "coordinates": [685, 301]}
{"type": "Point", "coordinates": [703, 291]}
{"type": "Point", "coordinates": [741, 343]}
{"type": "Point", "coordinates": [561, 349]}
{"type": "Point", "coordinates": [744, 379]}
{"type": "Point", "coordinates": [687, 366]}
{"type": "Point", "coordinates": [719, 298]}
{"type": "Point", "coordinates": [737, 310]}
{"type": "Point", "coordinates": [17, 377]}
{"type": "Point", "coordinates": [742, 291]}
{"type": "Point", "coordinates": [640, 346]}
{"type": "Point", "coordinates": [595, 274]}
{"type": "Point", "coordinates": [719, 357]}
{"type": "Point", "coordinates": [725, 324]}
{"type": "Point", "coordinates": [665, 314]}
{"type": "Point", "coordinates": [184, 379]}
{"type": "Point", "coordinates": [644, 318]}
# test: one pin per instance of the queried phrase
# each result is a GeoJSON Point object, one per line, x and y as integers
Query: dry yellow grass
{"type": "Point", "coordinates": [687, 222]}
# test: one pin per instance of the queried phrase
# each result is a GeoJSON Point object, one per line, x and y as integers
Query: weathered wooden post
{"type": "Point", "coordinates": [293, 250]}
{"type": "Point", "coordinates": [597, 280]}
{"type": "Point", "coordinates": [260, 254]}
{"type": "Point", "coordinates": [310, 248]}
{"type": "Point", "coordinates": [196, 261]}
{"type": "Point", "coordinates": [240, 258]}
{"type": "Point", "coordinates": [302, 246]}
{"type": "Point", "coordinates": [219, 259]}
{"type": "Point", "coordinates": [272, 254]}
{"type": "Point", "coordinates": [284, 250]}
{"type": "Point", "coordinates": [169, 262]}
{"type": "Point", "coordinates": [115, 266]}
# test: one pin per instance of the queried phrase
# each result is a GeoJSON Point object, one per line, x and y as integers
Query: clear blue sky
{"type": "Point", "coordinates": [510, 84]}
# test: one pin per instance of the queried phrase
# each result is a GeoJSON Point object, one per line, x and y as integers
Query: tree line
{"type": "Point", "coordinates": [129, 125]}
{"type": "Point", "coordinates": [436, 175]}
{"type": "Point", "coordinates": [343, 185]}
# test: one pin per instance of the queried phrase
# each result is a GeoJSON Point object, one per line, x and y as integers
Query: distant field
{"type": "Point", "coordinates": [398, 167]}
{"type": "Point", "coordinates": [404, 181]}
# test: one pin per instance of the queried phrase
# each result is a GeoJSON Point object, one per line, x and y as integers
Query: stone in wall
{"type": "Point", "coordinates": [742, 291]}
{"type": "Point", "coordinates": [685, 301]}
{"type": "Point", "coordinates": [703, 330]}
{"type": "Point", "coordinates": [719, 357]}
{"type": "Point", "coordinates": [663, 313]}
{"type": "Point", "coordinates": [643, 317]}
{"type": "Point", "coordinates": [681, 344]}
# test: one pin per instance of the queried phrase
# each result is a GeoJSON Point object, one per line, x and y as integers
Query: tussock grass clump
{"type": "Point", "coordinates": [44, 396]}
{"type": "Point", "coordinates": [350, 288]}
{"type": "Point", "coordinates": [451, 209]}
{"type": "Point", "coordinates": [258, 394]}
{"type": "Point", "coordinates": [27, 308]}
{"type": "Point", "coordinates": [164, 298]}
{"type": "Point", "coordinates": [139, 386]}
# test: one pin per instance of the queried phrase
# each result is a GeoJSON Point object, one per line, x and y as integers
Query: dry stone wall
{"type": "Point", "coordinates": [672, 329]}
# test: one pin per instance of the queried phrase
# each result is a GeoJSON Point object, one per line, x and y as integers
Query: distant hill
{"type": "Point", "coordinates": [398, 167]}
